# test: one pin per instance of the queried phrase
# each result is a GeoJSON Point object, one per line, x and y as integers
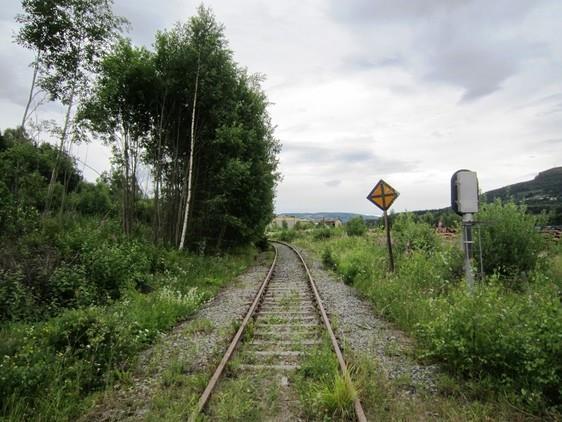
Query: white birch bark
{"type": "Point", "coordinates": [190, 166]}
{"type": "Point", "coordinates": [35, 71]}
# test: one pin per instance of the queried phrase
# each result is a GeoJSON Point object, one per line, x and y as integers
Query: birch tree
{"type": "Point", "coordinates": [69, 37]}
{"type": "Point", "coordinates": [119, 109]}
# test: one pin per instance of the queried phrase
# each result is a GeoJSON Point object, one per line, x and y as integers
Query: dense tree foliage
{"type": "Point", "coordinates": [200, 123]}
{"type": "Point", "coordinates": [184, 112]}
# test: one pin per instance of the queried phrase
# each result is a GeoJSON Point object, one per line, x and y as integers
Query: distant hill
{"type": "Point", "coordinates": [344, 217]}
{"type": "Point", "coordinates": [544, 192]}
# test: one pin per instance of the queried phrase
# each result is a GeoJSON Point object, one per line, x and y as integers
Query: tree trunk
{"type": "Point", "coordinates": [126, 221]}
{"type": "Point", "coordinates": [156, 222]}
{"type": "Point", "coordinates": [190, 166]}
{"type": "Point", "coordinates": [221, 237]}
{"type": "Point", "coordinates": [65, 187]}
{"type": "Point", "coordinates": [179, 190]}
{"type": "Point", "coordinates": [35, 71]}
{"type": "Point", "coordinates": [54, 173]}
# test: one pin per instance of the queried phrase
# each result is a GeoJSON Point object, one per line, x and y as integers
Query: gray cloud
{"type": "Point", "coordinates": [479, 71]}
{"type": "Point", "coordinates": [346, 157]}
{"type": "Point", "coordinates": [11, 88]}
{"type": "Point", "coordinates": [333, 183]}
{"type": "Point", "coordinates": [473, 44]}
{"type": "Point", "coordinates": [368, 11]}
{"type": "Point", "coordinates": [373, 69]}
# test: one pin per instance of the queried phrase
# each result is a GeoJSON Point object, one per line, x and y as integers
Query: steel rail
{"type": "Point", "coordinates": [218, 372]}
{"type": "Point", "coordinates": [234, 343]}
{"type": "Point", "coordinates": [345, 372]}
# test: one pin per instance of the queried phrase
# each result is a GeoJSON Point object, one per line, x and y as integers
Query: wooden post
{"type": "Point", "coordinates": [388, 241]}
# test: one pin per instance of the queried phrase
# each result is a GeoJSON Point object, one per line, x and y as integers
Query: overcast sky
{"type": "Point", "coordinates": [405, 90]}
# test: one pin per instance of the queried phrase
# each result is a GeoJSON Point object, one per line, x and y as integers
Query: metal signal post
{"type": "Point", "coordinates": [467, 246]}
{"type": "Point", "coordinates": [464, 201]}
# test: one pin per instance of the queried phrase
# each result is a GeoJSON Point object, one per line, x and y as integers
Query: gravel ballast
{"type": "Point", "coordinates": [358, 328]}
{"type": "Point", "coordinates": [194, 348]}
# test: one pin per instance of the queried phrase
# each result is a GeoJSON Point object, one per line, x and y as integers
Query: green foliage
{"type": "Point", "coordinates": [506, 342]}
{"type": "Point", "coordinates": [411, 236]}
{"type": "Point", "coordinates": [48, 368]}
{"type": "Point", "coordinates": [287, 235]}
{"type": "Point", "coordinates": [503, 339]}
{"type": "Point", "coordinates": [356, 227]}
{"type": "Point", "coordinates": [324, 393]}
{"type": "Point", "coordinates": [234, 150]}
{"type": "Point", "coordinates": [320, 233]}
{"type": "Point", "coordinates": [510, 242]}
{"type": "Point", "coordinates": [68, 38]}
{"type": "Point", "coordinates": [328, 259]}
{"type": "Point", "coordinates": [25, 171]}
{"type": "Point", "coordinates": [16, 300]}
{"type": "Point", "coordinates": [92, 199]}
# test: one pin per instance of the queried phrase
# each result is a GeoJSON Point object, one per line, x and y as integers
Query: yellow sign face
{"type": "Point", "coordinates": [383, 195]}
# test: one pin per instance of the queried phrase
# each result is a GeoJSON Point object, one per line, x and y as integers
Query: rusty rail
{"type": "Point", "coordinates": [218, 372]}
{"type": "Point", "coordinates": [234, 343]}
{"type": "Point", "coordinates": [343, 366]}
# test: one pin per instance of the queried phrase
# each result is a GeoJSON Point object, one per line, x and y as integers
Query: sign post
{"type": "Point", "coordinates": [383, 196]}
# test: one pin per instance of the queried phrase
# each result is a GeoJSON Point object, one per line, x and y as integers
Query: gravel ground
{"type": "Point", "coordinates": [358, 328]}
{"type": "Point", "coordinates": [132, 401]}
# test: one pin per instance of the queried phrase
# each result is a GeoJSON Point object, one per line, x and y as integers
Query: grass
{"type": "Point", "coordinates": [199, 326]}
{"type": "Point", "coordinates": [323, 392]}
{"type": "Point", "coordinates": [490, 342]}
{"type": "Point", "coordinates": [49, 369]}
{"type": "Point", "coordinates": [389, 400]}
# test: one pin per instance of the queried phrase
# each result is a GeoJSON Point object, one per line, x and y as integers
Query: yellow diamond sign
{"type": "Point", "coordinates": [383, 195]}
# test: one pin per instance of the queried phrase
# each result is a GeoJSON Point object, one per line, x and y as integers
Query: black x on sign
{"type": "Point", "coordinates": [383, 195]}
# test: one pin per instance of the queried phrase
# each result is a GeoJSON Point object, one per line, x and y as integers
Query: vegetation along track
{"type": "Point", "coordinates": [285, 318]}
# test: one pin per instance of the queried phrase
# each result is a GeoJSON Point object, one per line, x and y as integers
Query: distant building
{"type": "Point", "coordinates": [332, 222]}
{"type": "Point", "coordinates": [287, 221]}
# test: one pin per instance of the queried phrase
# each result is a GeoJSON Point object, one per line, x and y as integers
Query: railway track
{"type": "Point", "coordinates": [285, 319]}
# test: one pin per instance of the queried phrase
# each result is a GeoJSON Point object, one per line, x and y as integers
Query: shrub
{"type": "Point", "coordinates": [287, 235]}
{"type": "Point", "coordinates": [510, 242]}
{"type": "Point", "coordinates": [328, 258]}
{"type": "Point", "coordinates": [70, 287]}
{"type": "Point", "coordinates": [15, 298]}
{"type": "Point", "coordinates": [356, 227]}
{"type": "Point", "coordinates": [507, 340]}
{"type": "Point", "coordinates": [92, 199]}
{"type": "Point", "coordinates": [322, 233]}
{"type": "Point", "coordinates": [412, 236]}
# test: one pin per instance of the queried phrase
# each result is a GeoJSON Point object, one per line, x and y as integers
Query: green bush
{"type": "Point", "coordinates": [47, 368]}
{"type": "Point", "coordinates": [356, 227]}
{"type": "Point", "coordinates": [322, 233]}
{"type": "Point", "coordinates": [287, 235]}
{"type": "Point", "coordinates": [92, 199]}
{"type": "Point", "coordinates": [16, 299]}
{"type": "Point", "coordinates": [510, 242]}
{"type": "Point", "coordinates": [411, 236]}
{"type": "Point", "coordinates": [507, 340]}
{"type": "Point", "coordinates": [70, 288]}
{"type": "Point", "coordinates": [328, 259]}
